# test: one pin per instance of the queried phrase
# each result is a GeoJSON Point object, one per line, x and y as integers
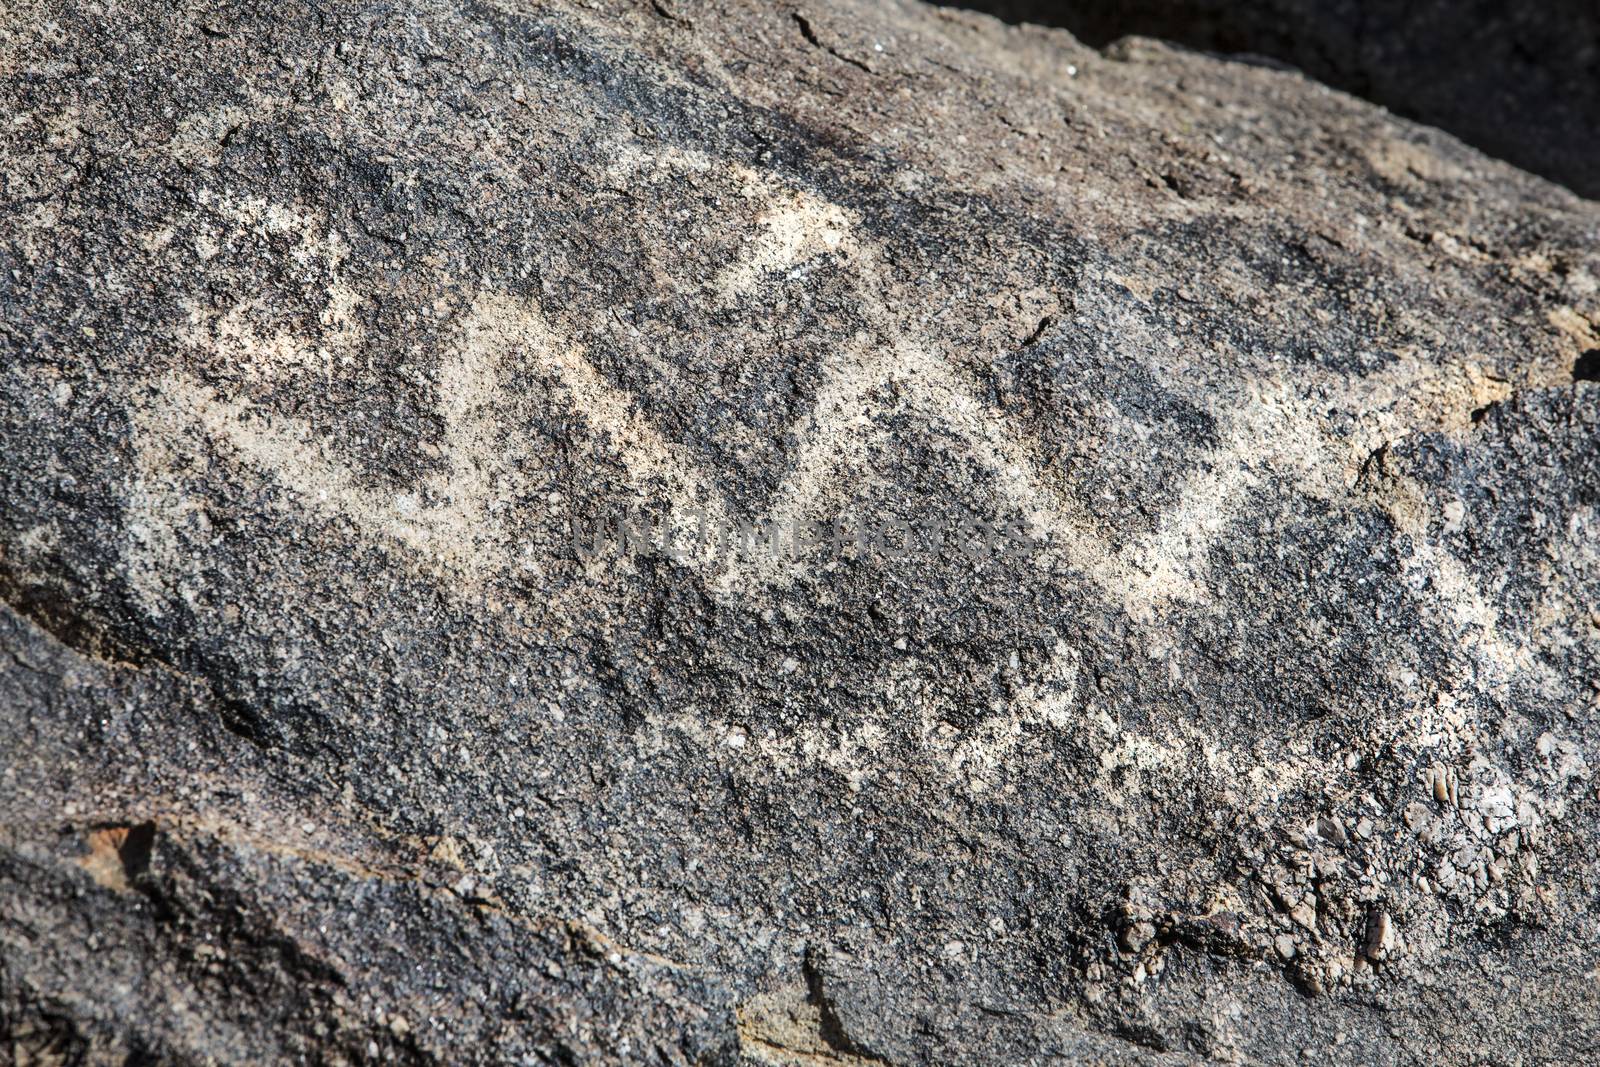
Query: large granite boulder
{"type": "Point", "coordinates": [1222, 685]}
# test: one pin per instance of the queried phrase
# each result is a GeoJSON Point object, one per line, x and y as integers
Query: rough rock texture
{"type": "Point", "coordinates": [1519, 80]}
{"type": "Point", "coordinates": [318, 743]}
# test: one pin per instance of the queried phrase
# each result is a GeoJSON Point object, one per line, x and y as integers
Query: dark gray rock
{"type": "Point", "coordinates": [322, 741]}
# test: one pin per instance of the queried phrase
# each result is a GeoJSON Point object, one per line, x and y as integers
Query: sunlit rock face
{"type": "Point", "coordinates": [1514, 80]}
{"type": "Point", "coordinates": [691, 533]}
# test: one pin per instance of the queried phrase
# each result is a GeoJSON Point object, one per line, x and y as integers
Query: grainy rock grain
{"type": "Point", "coordinates": [324, 325]}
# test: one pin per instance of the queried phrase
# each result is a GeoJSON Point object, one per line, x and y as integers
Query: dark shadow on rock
{"type": "Point", "coordinates": [1587, 367]}
{"type": "Point", "coordinates": [1519, 81]}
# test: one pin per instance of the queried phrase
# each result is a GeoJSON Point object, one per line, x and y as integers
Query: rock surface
{"type": "Point", "coordinates": [1519, 81]}
{"type": "Point", "coordinates": [324, 327]}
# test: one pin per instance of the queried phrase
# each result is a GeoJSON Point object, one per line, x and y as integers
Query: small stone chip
{"type": "Point", "coordinates": [1380, 938]}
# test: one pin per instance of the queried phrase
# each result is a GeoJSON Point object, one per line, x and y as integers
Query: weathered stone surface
{"type": "Point", "coordinates": [1519, 81]}
{"type": "Point", "coordinates": [319, 743]}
